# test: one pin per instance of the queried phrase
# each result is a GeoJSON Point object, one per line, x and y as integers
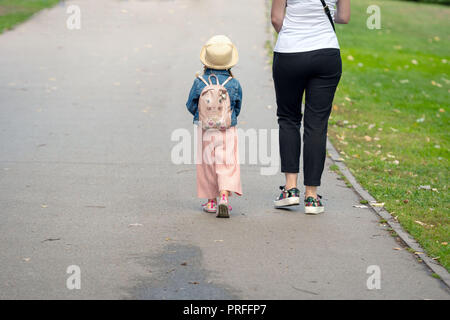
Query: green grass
{"type": "Point", "coordinates": [391, 114]}
{"type": "Point", "coordinates": [13, 12]}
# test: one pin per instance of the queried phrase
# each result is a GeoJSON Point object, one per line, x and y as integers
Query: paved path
{"type": "Point", "coordinates": [86, 118]}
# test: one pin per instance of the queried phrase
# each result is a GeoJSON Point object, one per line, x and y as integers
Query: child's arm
{"type": "Point", "coordinates": [237, 107]}
{"type": "Point", "coordinates": [192, 102]}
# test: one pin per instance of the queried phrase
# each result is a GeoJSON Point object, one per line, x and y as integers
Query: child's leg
{"type": "Point", "coordinates": [207, 182]}
{"type": "Point", "coordinates": [224, 193]}
{"type": "Point", "coordinates": [228, 172]}
{"type": "Point", "coordinates": [207, 186]}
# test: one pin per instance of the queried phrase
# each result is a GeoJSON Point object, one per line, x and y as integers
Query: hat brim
{"type": "Point", "coordinates": [234, 59]}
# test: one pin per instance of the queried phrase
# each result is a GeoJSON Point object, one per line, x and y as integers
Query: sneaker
{"type": "Point", "coordinates": [224, 209]}
{"type": "Point", "coordinates": [314, 205]}
{"type": "Point", "coordinates": [287, 198]}
{"type": "Point", "coordinates": [210, 206]}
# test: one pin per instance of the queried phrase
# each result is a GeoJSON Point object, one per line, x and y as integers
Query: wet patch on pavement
{"type": "Point", "coordinates": [177, 273]}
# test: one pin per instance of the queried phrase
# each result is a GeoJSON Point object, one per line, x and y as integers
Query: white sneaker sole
{"type": "Point", "coordinates": [292, 201]}
{"type": "Point", "coordinates": [209, 210]}
{"type": "Point", "coordinates": [314, 210]}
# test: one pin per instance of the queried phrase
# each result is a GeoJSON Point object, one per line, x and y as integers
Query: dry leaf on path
{"type": "Point", "coordinates": [135, 225]}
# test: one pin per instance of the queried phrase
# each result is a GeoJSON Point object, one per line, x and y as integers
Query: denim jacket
{"type": "Point", "coordinates": [233, 87]}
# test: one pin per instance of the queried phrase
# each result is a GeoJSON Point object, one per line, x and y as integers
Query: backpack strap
{"type": "Point", "coordinates": [204, 81]}
{"type": "Point", "coordinates": [213, 75]}
{"type": "Point", "coordinates": [226, 81]}
{"type": "Point", "coordinates": [217, 79]}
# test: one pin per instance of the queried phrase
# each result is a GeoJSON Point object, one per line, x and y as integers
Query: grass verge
{"type": "Point", "coordinates": [13, 12]}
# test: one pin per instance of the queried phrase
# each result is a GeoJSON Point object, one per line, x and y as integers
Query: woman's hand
{"type": "Point", "coordinates": [342, 14]}
{"type": "Point", "coordinates": [277, 13]}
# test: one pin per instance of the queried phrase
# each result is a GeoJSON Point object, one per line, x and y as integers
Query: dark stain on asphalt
{"type": "Point", "coordinates": [177, 273]}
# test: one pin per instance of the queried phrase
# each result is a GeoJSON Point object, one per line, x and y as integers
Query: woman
{"type": "Point", "coordinates": [306, 59]}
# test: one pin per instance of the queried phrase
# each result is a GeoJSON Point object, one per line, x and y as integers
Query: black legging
{"type": "Point", "coordinates": [317, 73]}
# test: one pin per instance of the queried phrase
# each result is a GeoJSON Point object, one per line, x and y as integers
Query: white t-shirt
{"type": "Point", "coordinates": [306, 27]}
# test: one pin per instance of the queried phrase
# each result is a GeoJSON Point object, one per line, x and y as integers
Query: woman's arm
{"type": "Point", "coordinates": [342, 14]}
{"type": "Point", "coordinates": [277, 14]}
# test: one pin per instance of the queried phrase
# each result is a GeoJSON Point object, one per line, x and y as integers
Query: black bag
{"type": "Point", "coordinates": [327, 12]}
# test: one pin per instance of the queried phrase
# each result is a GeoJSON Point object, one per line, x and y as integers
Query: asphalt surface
{"type": "Point", "coordinates": [86, 176]}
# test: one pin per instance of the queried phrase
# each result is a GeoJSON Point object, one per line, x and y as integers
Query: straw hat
{"type": "Point", "coordinates": [219, 53]}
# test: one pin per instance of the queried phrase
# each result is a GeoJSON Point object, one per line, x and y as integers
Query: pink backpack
{"type": "Point", "coordinates": [214, 107]}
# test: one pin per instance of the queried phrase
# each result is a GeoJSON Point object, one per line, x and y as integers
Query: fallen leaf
{"type": "Point", "coordinates": [376, 204]}
{"type": "Point", "coordinates": [135, 225]}
{"type": "Point", "coordinates": [421, 119]}
{"type": "Point", "coordinates": [436, 84]}
{"type": "Point", "coordinates": [51, 239]}
{"type": "Point", "coordinates": [367, 138]}
{"type": "Point", "coordinates": [398, 249]}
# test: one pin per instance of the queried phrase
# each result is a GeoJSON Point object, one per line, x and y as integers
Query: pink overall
{"type": "Point", "coordinates": [217, 163]}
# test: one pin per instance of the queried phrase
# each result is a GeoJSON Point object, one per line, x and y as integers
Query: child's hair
{"type": "Point", "coordinates": [229, 70]}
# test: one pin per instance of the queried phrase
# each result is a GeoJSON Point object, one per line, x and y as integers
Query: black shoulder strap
{"type": "Point", "coordinates": [327, 12]}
